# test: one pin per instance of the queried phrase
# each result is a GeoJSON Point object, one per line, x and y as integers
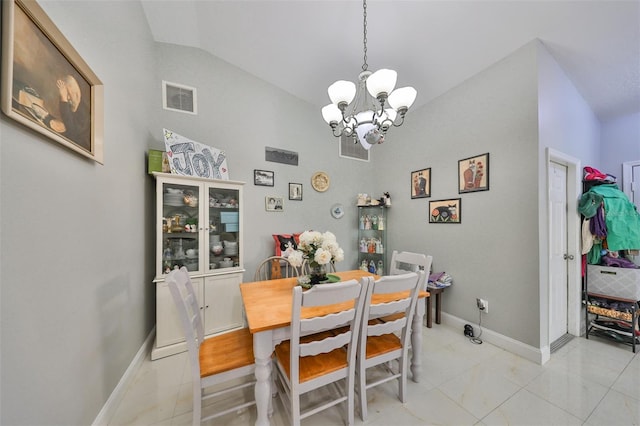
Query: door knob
{"type": "Point", "coordinates": [568, 256]}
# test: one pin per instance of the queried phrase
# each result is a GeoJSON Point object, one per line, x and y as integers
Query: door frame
{"type": "Point", "coordinates": [627, 167]}
{"type": "Point", "coordinates": [574, 268]}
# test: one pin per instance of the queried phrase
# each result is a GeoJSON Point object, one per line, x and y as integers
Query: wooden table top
{"type": "Point", "coordinates": [267, 304]}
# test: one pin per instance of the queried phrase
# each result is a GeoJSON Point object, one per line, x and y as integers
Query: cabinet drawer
{"type": "Point", "coordinates": [617, 282]}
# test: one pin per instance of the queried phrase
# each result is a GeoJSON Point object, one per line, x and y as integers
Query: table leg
{"type": "Point", "coordinates": [428, 302]}
{"type": "Point", "coordinates": [262, 350]}
{"type": "Point", "coordinates": [438, 305]}
{"type": "Point", "coordinates": [416, 342]}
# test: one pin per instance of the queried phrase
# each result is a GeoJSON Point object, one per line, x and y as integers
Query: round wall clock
{"type": "Point", "coordinates": [320, 181]}
{"type": "Point", "coordinates": [337, 211]}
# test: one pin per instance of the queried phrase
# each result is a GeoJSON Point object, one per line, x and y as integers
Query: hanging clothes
{"type": "Point", "coordinates": [621, 218]}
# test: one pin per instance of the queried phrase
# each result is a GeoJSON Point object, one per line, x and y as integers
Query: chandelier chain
{"type": "Point", "coordinates": [365, 66]}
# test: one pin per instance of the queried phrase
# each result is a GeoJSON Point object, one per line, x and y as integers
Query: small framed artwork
{"type": "Point", "coordinates": [445, 211]}
{"type": "Point", "coordinates": [473, 174]}
{"type": "Point", "coordinates": [421, 183]}
{"type": "Point", "coordinates": [263, 178]}
{"type": "Point", "coordinates": [295, 191]}
{"type": "Point", "coordinates": [46, 84]}
{"type": "Point", "coordinates": [274, 204]}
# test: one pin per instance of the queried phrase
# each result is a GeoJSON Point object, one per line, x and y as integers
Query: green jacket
{"type": "Point", "coordinates": [621, 217]}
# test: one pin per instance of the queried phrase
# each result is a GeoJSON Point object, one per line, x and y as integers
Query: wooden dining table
{"type": "Point", "coordinates": [267, 306]}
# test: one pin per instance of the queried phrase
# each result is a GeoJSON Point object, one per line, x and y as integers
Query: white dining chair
{"type": "Point", "coordinates": [322, 349]}
{"type": "Point", "coordinates": [384, 343]}
{"type": "Point", "coordinates": [275, 267]}
{"type": "Point", "coordinates": [404, 261]}
{"type": "Point", "coordinates": [216, 360]}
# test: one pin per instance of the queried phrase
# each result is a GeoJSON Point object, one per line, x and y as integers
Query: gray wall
{"type": "Point", "coordinates": [493, 253]}
{"type": "Point", "coordinates": [76, 252]}
{"type": "Point", "coordinates": [620, 143]}
{"type": "Point", "coordinates": [241, 115]}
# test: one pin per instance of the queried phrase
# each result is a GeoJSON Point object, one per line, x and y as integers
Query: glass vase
{"type": "Point", "coordinates": [317, 272]}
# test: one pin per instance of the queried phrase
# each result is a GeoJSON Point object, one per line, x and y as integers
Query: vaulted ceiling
{"type": "Point", "coordinates": [302, 46]}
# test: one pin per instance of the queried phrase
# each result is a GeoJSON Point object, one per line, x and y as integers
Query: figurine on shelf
{"type": "Point", "coordinates": [387, 199]}
{"type": "Point", "coordinates": [380, 223]}
{"type": "Point", "coordinates": [372, 267]}
{"type": "Point", "coordinates": [367, 222]}
{"type": "Point", "coordinates": [363, 266]}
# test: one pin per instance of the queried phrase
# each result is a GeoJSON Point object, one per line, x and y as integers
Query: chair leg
{"type": "Point", "coordinates": [350, 398]}
{"type": "Point", "coordinates": [362, 392]}
{"type": "Point", "coordinates": [402, 380]}
{"type": "Point", "coordinates": [295, 407]}
{"type": "Point", "coordinates": [197, 404]}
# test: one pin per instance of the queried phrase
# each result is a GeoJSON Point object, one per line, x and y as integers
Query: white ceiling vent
{"type": "Point", "coordinates": [178, 97]}
{"type": "Point", "coordinates": [349, 149]}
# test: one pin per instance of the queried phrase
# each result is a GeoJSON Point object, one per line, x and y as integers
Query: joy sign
{"type": "Point", "coordinates": [190, 158]}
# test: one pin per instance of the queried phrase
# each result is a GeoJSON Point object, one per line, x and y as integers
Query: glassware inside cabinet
{"type": "Point", "coordinates": [224, 228]}
{"type": "Point", "coordinates": [180, 220]}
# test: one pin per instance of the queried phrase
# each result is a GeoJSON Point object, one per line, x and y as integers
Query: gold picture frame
{"type": "Point", "coordinates": [46, 85]}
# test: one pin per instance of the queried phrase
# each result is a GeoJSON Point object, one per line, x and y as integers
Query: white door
{"type": "Point", "coordinates": [631, 181]}
{"type": "Point", "coordinates": [558, 287]}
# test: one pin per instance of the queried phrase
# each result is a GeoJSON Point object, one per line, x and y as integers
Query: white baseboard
{"type": "Point", "coordinates": [531, 353]}
{"type": "Point", "coordinates": [109, 407]}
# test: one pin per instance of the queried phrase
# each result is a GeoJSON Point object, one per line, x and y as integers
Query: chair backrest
{"type": "Point", "coordinates": [346, 300]}
{"type": "Point", "coordinates": [404, 261]}
{"type": "Point", "coordinates": [188, 309]}
{"type": "Point", "coordinates": [408, 285]}
{"type": "Point", "coordinates": [275, 267]}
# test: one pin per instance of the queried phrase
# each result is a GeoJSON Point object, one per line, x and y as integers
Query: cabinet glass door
{"type": "Point", "coordinates": [224, 227]}
{"type": "Point", "coordinates": [180, 222]}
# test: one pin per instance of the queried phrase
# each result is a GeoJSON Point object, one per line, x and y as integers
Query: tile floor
{"type": "Point", "coordinates": [586, 382]}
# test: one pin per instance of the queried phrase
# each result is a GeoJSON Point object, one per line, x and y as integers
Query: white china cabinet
{"type": "Point", "coordinates": [199, 226]}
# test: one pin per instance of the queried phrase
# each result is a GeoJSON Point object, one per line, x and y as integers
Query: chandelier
{"type": "Point", "coordinates": [365, 112]}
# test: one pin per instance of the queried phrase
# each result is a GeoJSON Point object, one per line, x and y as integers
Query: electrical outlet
{"type": "Point", "coordinates": [483, 305]}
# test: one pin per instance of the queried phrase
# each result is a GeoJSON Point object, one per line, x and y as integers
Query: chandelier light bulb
{"type": "Point", "coordinates": [381, 83]}
{"type": "Point", "coordinates": [342, 92]}
{"type": "Point", "coordinates": [402, 99]}
{"type": "Point", "coordinates": [331, 114]}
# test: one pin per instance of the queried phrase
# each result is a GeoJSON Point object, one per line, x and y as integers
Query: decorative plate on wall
{"type": "Point", "coordinates": [337, 211]}
{"type": "Point", "coordinates": [320, 181]}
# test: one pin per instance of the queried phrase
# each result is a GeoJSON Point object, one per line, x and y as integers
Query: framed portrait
{"type": "Point", "coordinates": [295, 191]}
{"type": "Point", "coordinates": [421, 183]}
{"type": "Point", "coordinates": [445, 211]}
{"type": "Point", "coordinates": [473, 174]}
{"type": "Point", "coordinates": [46, 85]}
{"type": "Point", "coordinates": [274, 204]}
{"type": "Point", "coordinates": [263, 178]}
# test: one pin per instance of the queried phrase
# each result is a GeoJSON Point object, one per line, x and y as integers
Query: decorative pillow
{"type": "Point", "coordinates": [285, 243]}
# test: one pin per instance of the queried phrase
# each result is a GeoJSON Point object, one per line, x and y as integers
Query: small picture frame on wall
{"type": "Point", "coordinates": [295, 191]}
{"type": "Point", "coordinates": [473, 174]}
{"type": "Point", "coordinates": [421, 183]}
{"type": "Point", "coordinates": [263, 177]}
{"type": "Point", "coordinates": [273, 203]}
{"type": "Point", "coordinates": [445, 211]}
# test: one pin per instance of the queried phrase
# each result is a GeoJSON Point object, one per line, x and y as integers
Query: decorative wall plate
{"type": "Point", "coordinates": [320, 181]}
{"type": "Point", "coordinates": [337, 211]}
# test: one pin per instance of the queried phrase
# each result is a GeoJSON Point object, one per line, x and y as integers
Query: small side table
{"type": "Point", "coordinates": [437, 292]}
